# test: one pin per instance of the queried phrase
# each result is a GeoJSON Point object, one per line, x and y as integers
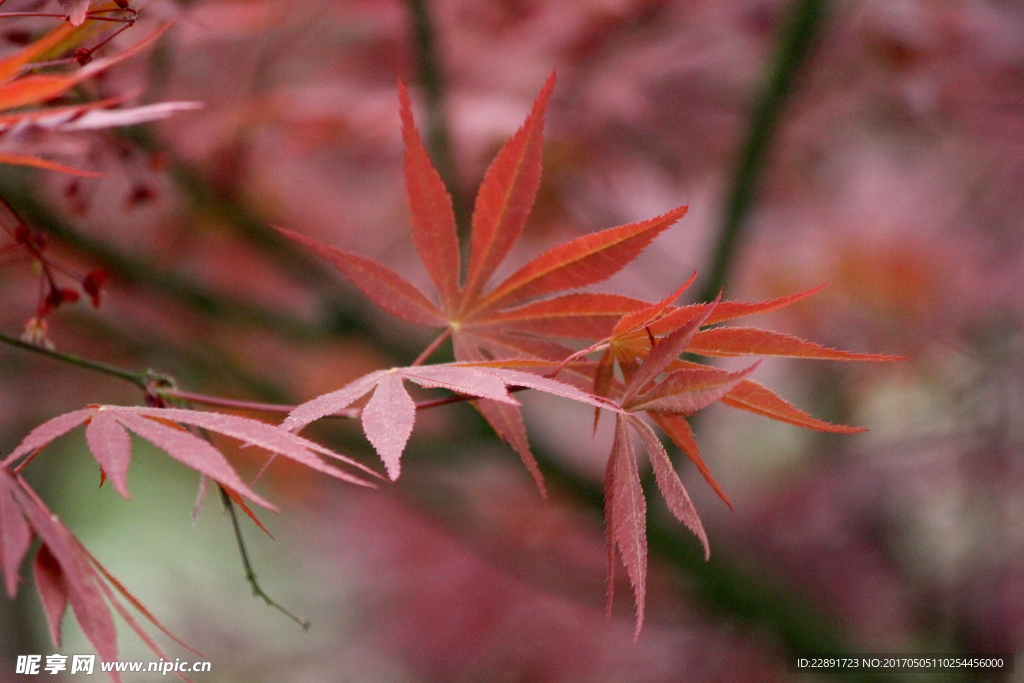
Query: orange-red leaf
{"type": "Point", "coordinates": [508, 346]}
{"type": "Point", "coordinates": [750, 341]}
{"type": "Point", "coordinates": [11, 66]}
{"type": "Point", "coordinates": [727, 310]}
{"type": "Point", "coordinates": [580, 262]}
{"type": "Point", "coordinates": [572, 316]}
{"type": "Point", "coordinates": [383, 286]}
{"type": "Point", "coordinates": [506, 196]}
{"type": "Point", "coordinates": [667, 350]}
{"type": "Point", "coordinates": [634, 320]}
{"type": "Point", "coordinates": [430, 210]}
{"type": "Point", "coordinates": [32, 89]}
{"type": "Point", "coordinates": [750, 396]}
{"type": "Point", "coordinates": [38, 88]}
{"type": "Point", "coordinates": [688, 390]}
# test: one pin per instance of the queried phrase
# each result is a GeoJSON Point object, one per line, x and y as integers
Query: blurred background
{"type": "Point", "coordinates": [873, 144]}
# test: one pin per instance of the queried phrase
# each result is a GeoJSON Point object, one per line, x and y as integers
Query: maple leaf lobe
{"type": "Point", "coordinates": [506, 196]}
{"type": "Point", "coordinates": [431, 217]}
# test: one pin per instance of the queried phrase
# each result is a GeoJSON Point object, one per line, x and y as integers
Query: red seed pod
{"type": "Point", "coordinates": [92, 284]}
{"type": "Point", "coordinates": [52, 301]}
{"type": "Point", "coordinates": [55, 298]}
{"type": "Point", "coordinates": [83, 56]}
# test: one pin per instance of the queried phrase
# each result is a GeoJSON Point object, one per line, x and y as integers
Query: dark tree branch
{"type": "Point", "coordinates": [794, 48]}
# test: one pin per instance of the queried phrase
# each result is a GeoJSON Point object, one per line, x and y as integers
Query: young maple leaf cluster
{"type": "Point", "coordinates": [522, 323]}
{"type": "Point", "coordinates": [23, 90]}
{"type": "Point", "coordinates": [24, 124]}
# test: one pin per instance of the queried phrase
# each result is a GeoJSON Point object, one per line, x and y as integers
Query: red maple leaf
{"type": "Point", "coordinates": [521, 324]}
{"type": "Point", "coordinates": [494, 321]}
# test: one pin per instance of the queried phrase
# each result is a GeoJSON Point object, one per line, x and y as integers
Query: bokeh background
{"type": "Point", "coordinates": [874, 144]}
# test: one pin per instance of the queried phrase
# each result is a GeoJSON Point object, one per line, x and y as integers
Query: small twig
{"type": "Point", "coordinates": [119, 20]}
{"type": "Point", "coordinates": [56, 15]}
{"type": "Point", "coordinates": [433, 347]}
{"type": "Point", "coordinates": [458, 398]}
{"type": "Point", "coordinates": [350, 414]}
{"type": "Point", "coordinates": [225, 402]}
{"type": "Point", "coordinates": [140, 379]}
{"type": "Point", "coordinates": [250, 575]}
{"type": "Point", "coordinates": [596, 346]}
{"type": "Point", "coordinates": [127, 25]}
{"type": "Point", "coordinates": [254, 406]}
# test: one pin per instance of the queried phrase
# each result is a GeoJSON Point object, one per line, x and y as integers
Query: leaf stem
{"type": "Point", "coordinates": [255, 406]}
{"type": "Point", "coordinates": [350, 414]}
{"type": "Point", "coordinates": [458, 398]}
{"type": "Point", "coordinates": [208, 400]}
{"type": "Point", "coordinates": [139, 379]}
{"type": "Point", "coordinates": [433, 347]}
{"type": "Point", "coordinates": [250, 575]}
{"type": "Point", "coordinates": [596, 346]}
